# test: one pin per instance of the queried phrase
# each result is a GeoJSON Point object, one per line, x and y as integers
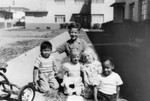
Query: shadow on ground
{"type": "Point", "coordinates": [131, 54]}
{"type": "Point", "coordinates": [10, 99]}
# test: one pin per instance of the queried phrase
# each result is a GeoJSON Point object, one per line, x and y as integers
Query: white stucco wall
{"type": "Point", "coordinates": [103, 8]}
{"type": "Point", "coordinates": [69, 8]}
{"type": "Point", "coordinates": [18, 14]}
{"type": "Point", "coordinates": [66, 9]}
{"type": "Point", "coordinates": [32, 19]}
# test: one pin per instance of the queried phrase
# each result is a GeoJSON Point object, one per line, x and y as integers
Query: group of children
{"type": "Point", "coordinates": [82, 71]}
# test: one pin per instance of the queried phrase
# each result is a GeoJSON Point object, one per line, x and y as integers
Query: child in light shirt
{"type": "Point", "coordinates": [108, 82]}
{"type": "Point", "coordinates": [72, 79]}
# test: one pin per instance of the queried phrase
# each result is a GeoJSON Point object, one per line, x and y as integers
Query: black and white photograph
{"type": "Point", "coordinates": [74, 50]}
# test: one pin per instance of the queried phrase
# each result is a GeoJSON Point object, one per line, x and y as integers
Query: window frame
{"type": "Point", "coordinates": [143, 10]}
{"type": "Point", "coordinates": [98, 1]}
{"type": "Point", "coordinates": [101, 15]}
{"type": "Point", "coordinates": [58, 18]}
{"type": "Point", "coordinates": [132, 11]}
{"type": "Point", "coordinates": [60, 2]}
{"type": "Point", "coordinates": [79, 2]}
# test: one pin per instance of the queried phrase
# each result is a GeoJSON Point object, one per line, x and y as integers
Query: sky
{"type": "Point", "coordinates": [31, 4]}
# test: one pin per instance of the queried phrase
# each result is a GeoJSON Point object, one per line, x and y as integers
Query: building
{"type": "Point", "coordinates": [5, 19]}
{"type": "Point", "coordinates": [85, 12]}
{"type": "Point", "coordinates": [37, 20]}
{"type": "Point", "coordinates": [134, 10]}
{"type": "Point", "coordinates": [18, 13]}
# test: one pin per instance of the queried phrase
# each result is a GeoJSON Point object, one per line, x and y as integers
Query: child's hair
{"type": "Point", "coordinates": [106, 58]}
{"type": "Point", "coordinates": [45, 44]}
{"type": "Point", "coordinates": [73, 25]}
{"type": "Point", "coordinates": [90, 51]}
{"type": "Point", "coordinates": [74, 51]}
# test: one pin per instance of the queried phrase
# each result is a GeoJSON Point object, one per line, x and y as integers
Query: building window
{"type": "Point", "coordinates": [143, 11]}
{"type": "Point", "coordinates": [59, 18]}
{"type": "Point", "coordinates": [98, 18]}
{"type": "Point", "coordinates": [97, 1]}
{"type": "Point", "coordinates": [132, 11]}
{"type": "Point", "coordinates": [60, 2]}
{"type": "Point", "coordinates": [79, 1]}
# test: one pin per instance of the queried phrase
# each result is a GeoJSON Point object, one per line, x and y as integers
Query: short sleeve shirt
{"type": "Point", "coordinates": [108, 84]}
{"type": "Point", "coordinates": [72, 69]}
{"type": "Point", "coordinates": [45, 65]}
{"type": "Point", "coordinates": [79, 44]}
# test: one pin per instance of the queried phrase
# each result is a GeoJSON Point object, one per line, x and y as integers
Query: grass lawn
{"type": "Point", "coordinates": [26, 40]}
{"type": "Point", "coordinates": [23, 40]}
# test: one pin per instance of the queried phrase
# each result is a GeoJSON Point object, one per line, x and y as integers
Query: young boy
{"type": "Point", "coordinates": [109, 82]}
{"type": "Point", "coordinates": [44, 69]}
{"type": "Point", "coordinates": [72, 79]}
{"type": "Point", "coordinates": [73, 42]}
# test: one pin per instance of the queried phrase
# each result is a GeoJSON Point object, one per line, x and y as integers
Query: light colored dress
{"type": "Point", "coordinates": [73, 77]}
{"type": "Point", "coordinates": [91, 71]}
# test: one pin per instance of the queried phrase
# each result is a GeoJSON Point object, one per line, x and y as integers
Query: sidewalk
{"type": "Point", "coordinates": [20, 69]}
{"type": "Point", "coordinates": [3, 29]}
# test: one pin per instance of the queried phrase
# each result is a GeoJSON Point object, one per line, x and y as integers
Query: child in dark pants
{"type": "Point", "coordinates": [108, 83]}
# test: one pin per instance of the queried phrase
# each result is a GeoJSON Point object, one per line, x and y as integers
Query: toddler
{"type": "Point", "coordinates": [91, 68]}
{"type": "Point", "coordinates": [44, 69]}
{"type": "Point", "coordinates": [108, 82]}
{"type": "Point", "coordinates": [72, 79]}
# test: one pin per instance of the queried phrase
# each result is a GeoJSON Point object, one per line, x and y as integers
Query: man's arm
{"type": "Point", "coordinates": [60, 49]}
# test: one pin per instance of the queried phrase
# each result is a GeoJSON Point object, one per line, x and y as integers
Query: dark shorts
{"type": "Point", "coordinates": [105, 97]}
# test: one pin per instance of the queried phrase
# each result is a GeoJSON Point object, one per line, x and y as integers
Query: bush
{"type": "Point", "coordinates": [64, 26]}
{"type": "Point", "coordinates": [48, 27]}
{"type": "Point", "coordinates": [96, 26]}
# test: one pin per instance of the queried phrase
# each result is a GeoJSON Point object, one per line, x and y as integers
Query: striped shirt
{"type": "Point", "coordinates": [46, 65]}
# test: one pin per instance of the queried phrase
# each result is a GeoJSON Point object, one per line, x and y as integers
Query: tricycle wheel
{"type": "Point", "coordinates": [27, 93]}
{"type": "Point", "coordinates": [5, 87]}
{"type": "Point", "coordinates": [4, 94]}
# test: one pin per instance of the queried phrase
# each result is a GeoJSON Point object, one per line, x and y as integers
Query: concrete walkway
{"type": "Point", "coordinates": [20, 69]}
{"type": "Point", "coordinates": [4, 29]}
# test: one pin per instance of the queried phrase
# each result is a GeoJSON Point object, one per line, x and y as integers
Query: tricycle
{"type": "Point", "coordinates": [25, 93]}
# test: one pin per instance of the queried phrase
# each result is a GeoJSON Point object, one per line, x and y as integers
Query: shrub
{"type": "Point", "coordinates": [48, 27]}
{"type": "Point", "coordinates": [64, 25]}
{"type": "Point", "coordinates": [96, 26]}
{"type": "Point", "coordinates": [37, 27]}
